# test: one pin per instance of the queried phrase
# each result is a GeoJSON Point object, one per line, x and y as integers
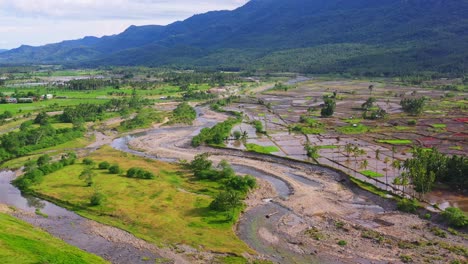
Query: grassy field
{"type": "Point", "coordinates": [371, 174]}
{"type": "Point", "coordinates": [396, 141]}
{"type": "Point", "coordinates": [261, 149]}
{"type": "Point", "coordinates": [353, 129]}
{"type": "Point", "coordinates": [22, 243]}
{"type": "Point", "coordinates": [171, 209]}
{"type": "Point", "coordinates": [32, 107]}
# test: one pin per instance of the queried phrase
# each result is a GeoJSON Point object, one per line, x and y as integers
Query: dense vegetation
{"type": "Point", "coordinates": [35, 172]}
{"type": "Point", "coordinates": [429, 166]}
{"type": "Point", "coordinates": [144, 118]}
{"type": "Point", "coordinates": [217, 134]}
{"type": "Point", "coordinates": [414, 106]}
{"type": "Point", "coordinates": [235, 187]}
{"type": "Point", "coordinates": [295, 35]}
{"type": "Point", "coordinates": [183, 114]}
{"type": "Point", "coordinates": [29, 139]}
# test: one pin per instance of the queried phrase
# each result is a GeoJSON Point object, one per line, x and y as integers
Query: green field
{"type": "Point", "coordinates": [371, 174]}
{"type": "Point", "coordinates": [44, 105]}
{"type": "Point", "coordinates": [395, 141]}
{"type": "Point", "coordinates": [23, 243]}
{"type": "Point", "coordinates": [261, 149]}
{"type": "Point", "coordinates": [171, 209]}
{"type": "Point", "coordinates": [353, 129]}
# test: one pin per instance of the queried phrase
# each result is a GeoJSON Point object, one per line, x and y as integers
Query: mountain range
{"type": "Point", "coordinates": [312, 36]}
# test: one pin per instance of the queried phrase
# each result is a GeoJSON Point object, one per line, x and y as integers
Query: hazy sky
{"type": "Point", "coordinates": [38, 22]}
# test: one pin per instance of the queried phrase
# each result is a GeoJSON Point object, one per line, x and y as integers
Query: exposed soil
{"type": "Point", "coordinates": [322, 214]}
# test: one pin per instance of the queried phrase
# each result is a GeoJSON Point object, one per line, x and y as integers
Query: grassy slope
{"type": "Point", "coordinates": [159, 211]}
{"type": "Point", "coordinates": [22, 243]}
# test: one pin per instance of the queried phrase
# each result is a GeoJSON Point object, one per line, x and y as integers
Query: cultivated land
{"type": "Point", "coordinates": [314, 214]}
{"type": "Point", "coordinates": [442, 125]}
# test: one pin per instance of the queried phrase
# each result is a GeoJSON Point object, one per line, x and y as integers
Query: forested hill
{"type": "Point", "coordinates": [357, 36]}
{"type": "Point", "coordinates": [2, 50]}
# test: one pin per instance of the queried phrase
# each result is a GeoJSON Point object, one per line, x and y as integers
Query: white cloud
{"type": "Point", "coordinates": [37, 22]}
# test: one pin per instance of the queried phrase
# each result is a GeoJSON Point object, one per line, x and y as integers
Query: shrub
{"type": "Point", "coordinates": [342, 243]}
{"type": "Point", "coordinates": [237, 134]}
{"type": "Point", "coordinates": [139, 174]}
{"type": "Point", "coordinates": [104, 165]}
{"type": "Point", "coordinates": [455, 217]}
{"type": "Point", "coordinates": [43, 160]}
{"type": "Point", "coordinates": [406, 259]}
{"type": "Point", "coordinates": [412, 122]}
{"type": "Point", "coordinates": [88, 161]}
{"type": "Point", "coordinates": [115, 169]}
{"type": "Point", "coordinates": [97, 199]}
{"type": "Point", "coordinates": [408, 206]}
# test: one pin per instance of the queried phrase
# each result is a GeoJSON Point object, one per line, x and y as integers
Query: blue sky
{"type": "Point", "coordinates": [38, 22]}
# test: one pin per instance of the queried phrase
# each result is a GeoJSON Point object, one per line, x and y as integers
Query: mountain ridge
{"type": "Point", "coordinates": [404, 35]}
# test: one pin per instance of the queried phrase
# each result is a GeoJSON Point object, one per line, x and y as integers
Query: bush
{"type": "Point", "coordinates": [412, 122]}
{"type": "Point", "coordinates": [342, 243]}
{"type": "Point", "coordinates": [104, 165]}
{"type": "Point", "coordinates": [406, 259]}
{"type": "Point", "coordinates": [139, 174]}
{"type": "Point", "coordinates": [237, 134]}
{"type": "Point", "coordinates": [97, 199]}
{"type": "Point", "coordinates": [88, 161]}
{"type": "Point", "coordinates": [114, 169]}
{"type": "Point", "coordinates": [408, 206]}
{"type": "Point", "coordinates": [455, 217]}
{"type": "Point", "coordinates": [43, 160]}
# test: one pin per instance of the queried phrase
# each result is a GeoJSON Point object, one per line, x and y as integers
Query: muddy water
{"type": "Point", "coordinates": [446, 198]}
{"type": "Point", "coordinates": [120, 247]}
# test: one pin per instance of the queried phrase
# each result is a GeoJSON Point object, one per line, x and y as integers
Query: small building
{"type": "Point", "coordinates": [47, 96]}
{"type": "Point", "coordinates": [10, 100]}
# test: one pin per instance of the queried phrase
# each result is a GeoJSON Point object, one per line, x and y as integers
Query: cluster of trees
{"type": "Point", "coordinates": [197, 95]}
{"type": "Point", "coordinates": [258, 125]}
{"type": "Point", "coordinates": [82, 113]}
{"type": "Point", "coordinates": [217, 134]}
{"type": "Point", "coordinates": [219, 104]}
{"type": "Point", "coordinates": [140, 173]}
{"type": "Point", "coordinates": [235, 187]}
{"type": "Point", "coordinates": [90, 84]}
{"type": "Point", "coordinates": [414, 106]}
{"type": "Point", "coordinates": [329, 106]}
{"type": "Point", "coordinates": [308, 125]}
{"type": "Point", "coordinates": [429, 166]}
{"type": "Point", "coordinates": [184, 114]}
{"type": "Point", "coordinates": [93, 112]}
{"type": "Point", "coordinates": [183, 79]}
{"type": "Point", "coordinates": [35, 171]}
{"type": "Point", "coordinates": [28, 139]}
{"type": "Point", "coordinates": [144, 118]}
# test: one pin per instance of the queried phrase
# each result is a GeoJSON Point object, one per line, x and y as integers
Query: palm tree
{"type": "Point", "coordinates": [371, 88]}
{"type": "Point", "coordinates": [364, 164]}
{"type": "Point", "coordinates": [348, 149]}
{"type": "Point", "coordinates": [393, 152]}
{"type": "Point", "coordinates": [386, 161]}
{"type": "Point", "coordinates": [396, 164]}
{"type": "Point", "coordinates": [377, 157]}
{"type": "Point", "coordinates": [357, 152]}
